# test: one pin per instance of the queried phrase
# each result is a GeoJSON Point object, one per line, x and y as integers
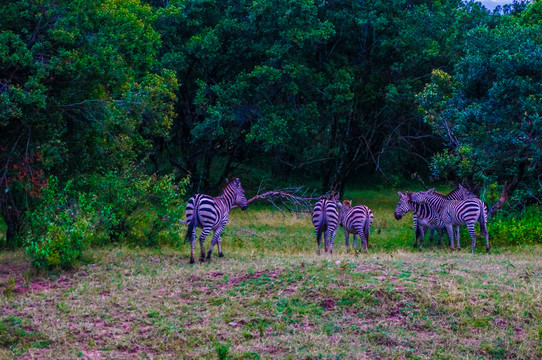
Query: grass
{"type": "Point", "coordinates": [273, 297]}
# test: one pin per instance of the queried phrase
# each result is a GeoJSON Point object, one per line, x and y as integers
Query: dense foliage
{"type": "Point", "coordinates": [489, 111]}
{"type": "Point", "coordinates": [93, 92]}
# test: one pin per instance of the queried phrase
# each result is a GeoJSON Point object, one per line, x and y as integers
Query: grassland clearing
{"type": "Point", "coordinates": [273, 297]}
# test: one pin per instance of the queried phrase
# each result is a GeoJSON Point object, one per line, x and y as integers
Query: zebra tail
{"type": "Point", "coordinates": [367, 226]}
{"type": "Point", "coordinates": [319, 233]}
{"type": "Point", "coordinates": [483, 214]}
{"type": "Point", "coordinates": [192, 223]}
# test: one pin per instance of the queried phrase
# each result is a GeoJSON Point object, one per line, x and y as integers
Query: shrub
{"type": "Point", "coordinates": [57, 234]}
{"type": "Point", "coordinates": [126, 207]}
{"type": "Point", "coordinates": [517, 228]}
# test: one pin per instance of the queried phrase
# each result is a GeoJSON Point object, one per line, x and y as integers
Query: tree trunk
{"type": "Point", "coordinates": [508, 188]}
{"type": "Point", "coordinates": [12, 221]}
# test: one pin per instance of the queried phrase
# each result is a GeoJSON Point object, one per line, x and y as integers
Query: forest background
{"type": "Point", "coordinates": [111, 112]}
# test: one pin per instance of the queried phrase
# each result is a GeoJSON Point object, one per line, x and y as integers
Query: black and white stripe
{"type": "Point", "coordinates": [459, 193]}
{"type": "Point", "coordinates": [325, 218]}
{"type": "Point", "coordinates": [356, 220]}
{"type": "Point", "coordinates": [456, 212]}
{"type": "Point", "coordinates": [424, 218]}
{"type": "Point", "coordinates": [211, 213]}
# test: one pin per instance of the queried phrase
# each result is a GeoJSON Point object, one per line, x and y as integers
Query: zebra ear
{"type": "Point", "coordinates": [431, 191]}
{"type": "Point", "coordinates": [400, 194]}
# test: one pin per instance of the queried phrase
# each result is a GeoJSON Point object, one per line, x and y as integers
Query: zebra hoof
{"type": "Point", "coordinates": [487, 249]}
{"type": "Point", "coordinates": [220, 255]}
{"type": "Point", "coordinates": [201, 259]}
{"type": "Point", "coordinates": [192, 260]}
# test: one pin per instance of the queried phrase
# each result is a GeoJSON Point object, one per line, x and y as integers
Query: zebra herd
{"type": "Point", "coordinates": [355, 220]}
{"type": "Point", "coordinates": [431, 211]}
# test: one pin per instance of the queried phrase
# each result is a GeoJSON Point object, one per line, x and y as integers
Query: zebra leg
{"type": "Point", "coordinates": [220, 253]}
{"type": "Point", "coordinates": [326, 241]}
{"type": "Point", "coordinates": [216, 240]}
{"type": "Point", "coordinates": [332, 240]}
{"type": "Point", "coordinates": [472, 233]}
{"type": "Point", "coordinates": [192, 245]}
{"type": "Point", "coordinates": [422, 237]}
{"type": "Point", "coordinates": [450, 231]}
{"type": "Point", "coordinates": [416, 234]}
{"type": "Point", "coordinates": [213, 243]}
{"type": "Point", "coordinates": [440, 235]}
{"type": "Point", "coordinates": [356, 241]}
{"type": "Point", "coordinates": [347, 240]}
{"type": "Point", "coordinates": [319, 239]}
{"type": "Point", "coordinates": [431, 237]}
{"type": "Point", "coordinates": [219, 240]}
{"type": "Point", "coordinates": [457, 237]}
{"type": "Point", "coordinates": [363, 239]}
{"type": "Point", "coordinates": [202, 237]}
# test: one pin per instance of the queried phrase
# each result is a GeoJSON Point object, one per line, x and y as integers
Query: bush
{"type": "Point", "coordinates": [57, 234]}
{"type": "Point", "coordinates": [518, 228]}
{"type": "Point", "coordinates": [126, 207]}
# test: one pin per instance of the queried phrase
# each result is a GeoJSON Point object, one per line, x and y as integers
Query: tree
{"type": "Point", "coordinates": [312, 87]}
{"type": "Point", "coordinates": [80, 92]}
{"type": "Point", "coordinates": [489, 111]}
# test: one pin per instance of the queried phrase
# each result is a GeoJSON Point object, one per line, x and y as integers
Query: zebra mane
{"type": "Point", "coordinates": [229, 182]}
{"type": "Point", "coordinates": [439, 193]}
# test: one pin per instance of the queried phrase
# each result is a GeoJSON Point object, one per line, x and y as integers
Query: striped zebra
{"type": "Point", "coordinates": [424, 218]}
{"type": "Point", "coordinates": [325, 218]}
{"type": "Point", "coordinates": [454, 213]}
{"type": "Point", "coordinates": [459, 193]}
{"type": "Point", "coordinates": [356, 220]}
{"type": "Point", "coordinates": [211, 213]}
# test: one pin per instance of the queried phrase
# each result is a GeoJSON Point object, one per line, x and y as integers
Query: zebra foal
{"type": "Point", "coordinates": [212, 213]}
{"type": "Point", "coordinates": [428, 219]}
{"type": "Point", "coordinates": [424, 218]}
{"type": "Point", "coordinates": [356, 220]}
{"type": "Point", "coordinates": [454, 213]}
{"type": "Point", "coordinates": [325, 218]}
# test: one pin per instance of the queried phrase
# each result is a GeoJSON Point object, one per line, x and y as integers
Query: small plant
{"type": "Point", "coordinates": [8, 290]}
{"type": "Point", "coordinates": [222, 350]}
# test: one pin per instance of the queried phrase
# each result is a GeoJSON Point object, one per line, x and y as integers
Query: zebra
{"type": "Point", "coordinates": [457, 212]}
{"type": "Point", "coordinates": [211, 213]}
{"type": "Point", "coordinates": [356, 220]}
{"type": "Point", "coordinates": [424, 217]}
{"type": "Point", "coordinates": [459, 193]}
{"type": "Point", "coordinates": [325, 218]}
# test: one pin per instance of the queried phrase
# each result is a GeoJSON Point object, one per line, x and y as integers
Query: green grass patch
{"type": "Point", "coordinates": [398, 304]}
{"type": "Point", "coordinates": [273, 297]}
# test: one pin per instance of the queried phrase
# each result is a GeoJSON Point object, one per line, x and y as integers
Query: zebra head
{"type": "Point", "coordinates": [403, 205]}
{"type": "Point", "coordinates": [343, 208]}
{"type": "Point", "coordinates": [239, 192]}
{"type": "Point", "coordinates": [420, 197]}
{"type": "Point", "coordinates": [466, 193]}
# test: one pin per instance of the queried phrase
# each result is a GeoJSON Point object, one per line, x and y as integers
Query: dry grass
{"type": "Point", "coordinates": [146, 304]}
{"type": "Point", "coordinates": [273, 297]}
